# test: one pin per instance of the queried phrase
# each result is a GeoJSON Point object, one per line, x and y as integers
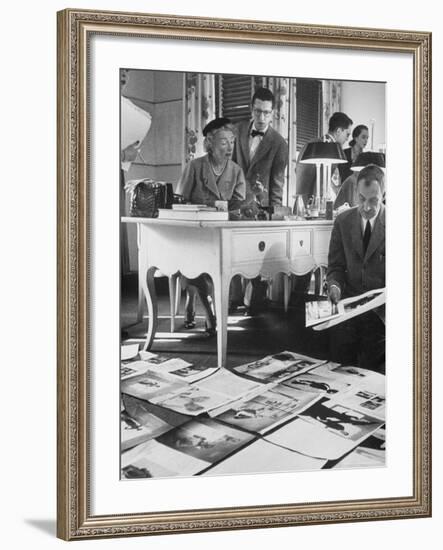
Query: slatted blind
{"type": "Point", "coordinates": [308, 110]}
{"type": "Point", "coordinates": [235, 94]}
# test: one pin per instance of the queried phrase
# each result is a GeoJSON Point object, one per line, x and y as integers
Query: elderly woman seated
{"type": "Point", "coordinates": [212, 177]}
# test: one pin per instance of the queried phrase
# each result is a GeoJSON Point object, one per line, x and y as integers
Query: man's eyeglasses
{"type": "Point", "coordinates": [259, 112]}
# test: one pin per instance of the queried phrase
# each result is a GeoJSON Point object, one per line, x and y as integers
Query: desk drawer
{"type": "Point", "coordinates": [259, 246]}
{"type": "Point", "coordinates": [301, 243]}
{"type": "Point", "coordinates": [321, 242]}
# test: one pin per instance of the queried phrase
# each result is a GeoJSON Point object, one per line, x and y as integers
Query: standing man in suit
{"type": "Point", "coordinates": [262, 153]}
{"type": "Point", "coordinates": [356, 264]}
{"type": "Point", "coordinates": [339, 130]}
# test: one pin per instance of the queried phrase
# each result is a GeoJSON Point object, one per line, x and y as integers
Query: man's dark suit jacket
{"type": "Point", "coordinates": [268, 164]}
{"type": "Point", "coordinates": [350, 269]}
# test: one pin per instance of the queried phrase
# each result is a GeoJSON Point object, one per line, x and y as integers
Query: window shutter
{"type": "Point", "coordinates": [308, 111]}
{"type": "Point", "coordinates": [235, 93]}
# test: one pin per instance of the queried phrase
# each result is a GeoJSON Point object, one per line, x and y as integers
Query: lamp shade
{"type": "Point", "coordinates": [370, 157]}
{"type": "Point", "coordinates": [320, 152]}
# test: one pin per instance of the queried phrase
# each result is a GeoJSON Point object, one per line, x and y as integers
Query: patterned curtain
{"type": "Point", "coordinates": [292, 142]}
{"type": "Point", "coordinates": [331, 93]}
{"type": "Point", "coordinates": [199, 109]}
{"type": "Point", "coordinates": [280, 88]}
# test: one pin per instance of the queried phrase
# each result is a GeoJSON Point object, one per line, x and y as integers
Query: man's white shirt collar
{"type": "Point", "coordinates": [329, 137]}
{"type": "Point", "coordinates": [255, 141]}
{"type": "Point", "coordinates": [371, 221]}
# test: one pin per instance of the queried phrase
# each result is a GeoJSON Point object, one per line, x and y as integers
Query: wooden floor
{"type": "Point", "coordinates": [249, 338]}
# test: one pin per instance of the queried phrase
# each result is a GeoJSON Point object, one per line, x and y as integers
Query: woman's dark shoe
{"type": "Point", "coordinates": [190, 321]}
{"type": "Point", "coordinates": [210, 331]}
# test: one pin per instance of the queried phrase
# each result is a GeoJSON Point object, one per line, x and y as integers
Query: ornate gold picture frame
{"type": "Point", "coordinates": [76, 517]}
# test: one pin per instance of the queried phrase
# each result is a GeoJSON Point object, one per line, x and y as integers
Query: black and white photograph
{"type": "Point", "coordinates": [215, 177]}
{"type": "Point", "coordinates": [325, 431]}
{"type": "Point", "coordinates": [252, 210]}
{"type": "Point", "coordinates": [267, 410]}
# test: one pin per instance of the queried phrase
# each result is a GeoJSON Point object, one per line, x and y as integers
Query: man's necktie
{"type": "Point", "coordinates": [366, 236]}
{"type": "Point", "coordinates": [255, 133]}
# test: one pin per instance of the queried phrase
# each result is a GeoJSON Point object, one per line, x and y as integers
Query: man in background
{"type": "Point", "coordinates": [339, 130]}
{"type": "Point", "coordinates": [262, 153]}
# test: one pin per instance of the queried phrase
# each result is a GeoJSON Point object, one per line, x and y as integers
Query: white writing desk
{"type": "Point", "coordinates": [222, 250]}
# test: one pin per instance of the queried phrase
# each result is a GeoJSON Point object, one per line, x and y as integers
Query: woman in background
{"type": "Point", "coordinates": [212, 177]}
{"type": "Point", "coordinates": [360, 136]}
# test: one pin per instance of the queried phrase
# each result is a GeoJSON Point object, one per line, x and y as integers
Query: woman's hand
{"type": "Point", "coordinates": [257, 187]}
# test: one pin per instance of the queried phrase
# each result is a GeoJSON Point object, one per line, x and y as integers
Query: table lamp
{"type": "Point", "coordinates": [369, 157]}
{"type": "Point", "coordinates": [325, 154]}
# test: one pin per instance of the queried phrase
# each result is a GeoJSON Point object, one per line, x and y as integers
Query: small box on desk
{"type": "Point", "coordinates": [280, 212]}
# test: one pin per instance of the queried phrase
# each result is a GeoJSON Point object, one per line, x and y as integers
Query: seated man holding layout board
{"type": "Point", "coordinates": [356, 264]}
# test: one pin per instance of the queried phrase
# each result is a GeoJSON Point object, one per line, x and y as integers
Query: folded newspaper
{"type": "Point", "coordinates": [323, 314]}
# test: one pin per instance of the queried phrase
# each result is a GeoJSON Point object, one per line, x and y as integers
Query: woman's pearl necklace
{"type": "Point", "coordinates": [218, 172]}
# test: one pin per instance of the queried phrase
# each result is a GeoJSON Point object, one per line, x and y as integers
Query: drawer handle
{"type": "Point", "coordinates": [261, 245]}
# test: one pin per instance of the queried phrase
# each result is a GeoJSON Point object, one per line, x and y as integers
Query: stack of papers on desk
{"type": "Point", "coordinates": [193, 208]}
{"type": "Point", "coordinates": [195, 212]}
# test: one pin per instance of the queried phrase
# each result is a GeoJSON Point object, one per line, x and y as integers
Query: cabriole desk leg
{"type": "Point", "coordinates": [286, 284]}
{"type": "Point", "coordinates": [172, 280]}
{"type": "Point", "coordinates": [148, 286]}
{"type": "Point", "coordinates": [221, 297]}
